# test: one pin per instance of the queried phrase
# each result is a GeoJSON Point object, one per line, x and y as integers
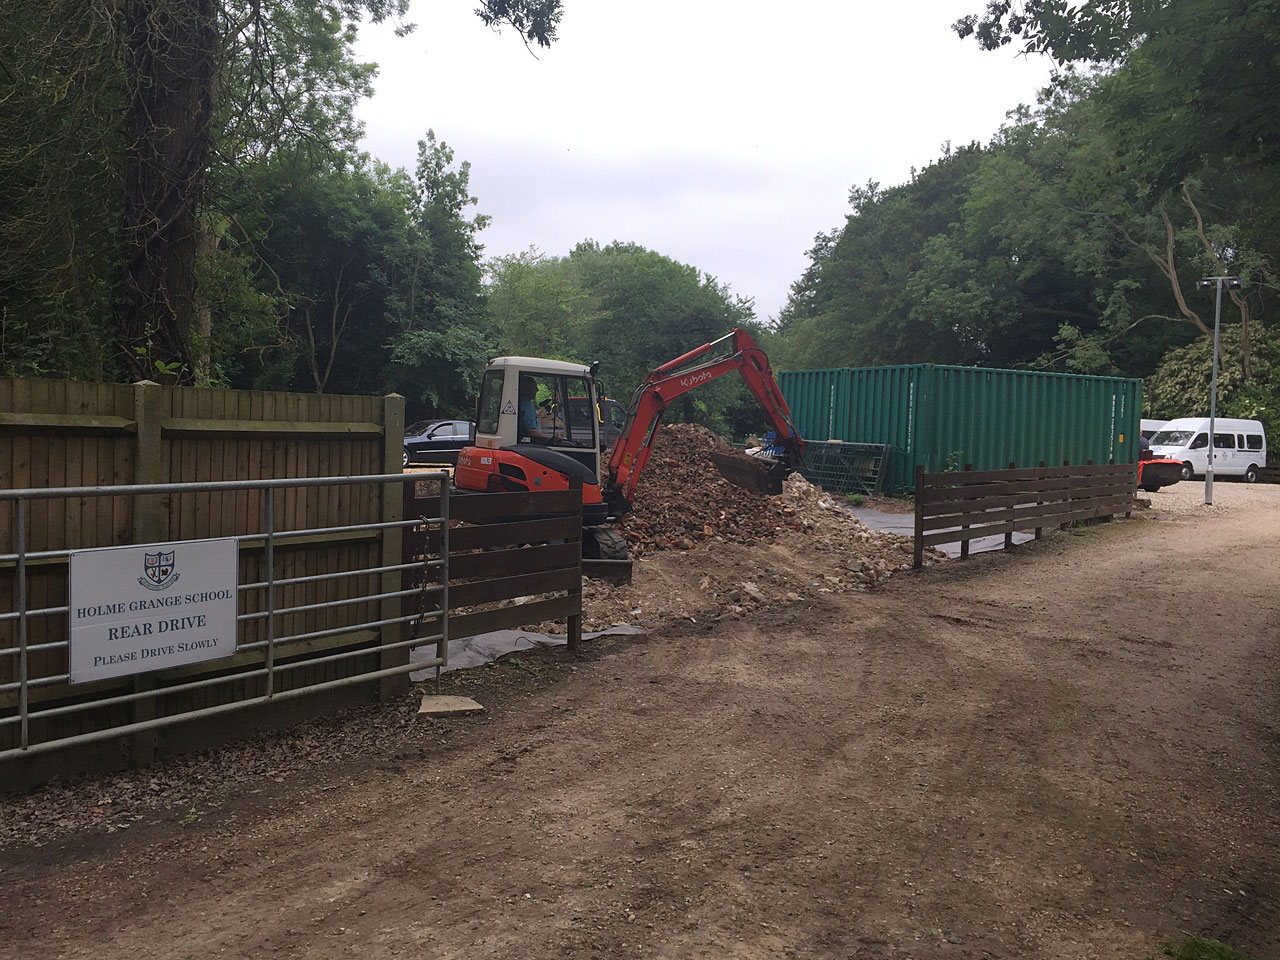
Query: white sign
{"type": "Point", "coordinates": [152, 606]}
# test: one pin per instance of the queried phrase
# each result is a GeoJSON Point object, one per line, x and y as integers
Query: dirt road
{"type": "Point", "coordinates": [1071, 752]}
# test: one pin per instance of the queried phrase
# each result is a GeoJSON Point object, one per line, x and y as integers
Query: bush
{"type": "Point", "coordinates": [1180, 385]}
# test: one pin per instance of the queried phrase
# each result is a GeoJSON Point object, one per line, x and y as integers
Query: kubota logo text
{"type": "Point", "coordinates": [694, 381]}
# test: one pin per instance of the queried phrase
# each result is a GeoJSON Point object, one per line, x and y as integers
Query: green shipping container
{"type": "Point", "coordinates": [945, 417]}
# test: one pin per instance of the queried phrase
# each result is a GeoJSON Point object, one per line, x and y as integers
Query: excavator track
{"type": "Point", "coordinates": [604, 555]}
{"type": "Point", "coordinates": [603, 543]}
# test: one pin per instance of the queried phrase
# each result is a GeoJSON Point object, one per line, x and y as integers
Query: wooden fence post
{"type": "Point", "coordinates": [575, 619]}
{"type": "Point", "coordinates": [1008, 537]}
{"type": "Point", "coordinates": [148, 527]}
{"type": "Point", "coordinates": [964, 544]}
{"type": "Point", "coordinates": [919, 546]}
{"type": "Point", "coordinates": [1063, 526]}
{"type": "Point", "coordinates": [1040, 503]}
{"type": "Point", "coordinates": [392, 538]}
{"type": "Point", "coordinates": [1129, 513]}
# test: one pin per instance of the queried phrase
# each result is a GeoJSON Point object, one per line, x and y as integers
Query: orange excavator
{"type": "Point", "coordinates": [533, 432]}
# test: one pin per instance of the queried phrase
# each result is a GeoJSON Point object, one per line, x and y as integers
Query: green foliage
{"type": "Point", "coordinates": [1193, 81]}
{"type": "Point", "coordinates": [908, 279]}
{"type": "Point", "coordinates": [258, 105]}
{"type": "Point", "coordinates": [1046, 249]}
{"type": "Point", "coordinates": [1180, 385]}
{"type": "Point", "coordinates": [651, 309]}
{"type": "Point", "coordinates": [376, 280]}
{"type": "Point", "coordinates": [630, 308]}
{"type": "Point", "coordinates": [534, 20]}
{"type": "Point", "coordinates": [59, 180]}
{"type": "Point", "coordinates": [540, 306]}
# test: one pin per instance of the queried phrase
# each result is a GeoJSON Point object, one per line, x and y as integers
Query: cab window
{"type": "Point", "coordinates": [538, 408]}
{"type": "Point", "coordinates": [562, 406]}
{"type": "Point", "coordinates": [490, 402]}
{"type": "Point", "coordinates": [579, 428]}
{"type": "Point", "coordinates": [1200, 442]}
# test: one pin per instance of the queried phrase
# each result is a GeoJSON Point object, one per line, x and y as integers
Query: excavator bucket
{"type": "Point", "coordinates": [764, 475]}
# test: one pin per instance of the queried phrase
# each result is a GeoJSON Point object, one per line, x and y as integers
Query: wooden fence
{"type": "Point", "coordinates": [55, 433]}
{"type": "Point", "coordinates": [503, 548]}
{"type": "Point", "coordinates": [502, 572]}
{"type": "Point", "coordinates": [961, 506]}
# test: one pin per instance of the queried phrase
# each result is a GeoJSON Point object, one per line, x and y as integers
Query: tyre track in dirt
{"type": "Point", "coordinates": [1010, 757]}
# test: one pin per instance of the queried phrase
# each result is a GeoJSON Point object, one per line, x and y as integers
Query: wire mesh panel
{"type": "Point", "coordinates": [840, 467]}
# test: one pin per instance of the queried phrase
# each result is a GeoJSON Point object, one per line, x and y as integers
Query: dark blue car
{"type": "Point", "coordinates": [437, 441]}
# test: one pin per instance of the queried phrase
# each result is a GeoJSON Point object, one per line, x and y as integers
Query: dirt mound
{"type": "Point", "coordinates": [707, 549]}
{"type": "Point", "coordinates": [681, 499]}
{"type": "Point", "coordinates": [867, 556]}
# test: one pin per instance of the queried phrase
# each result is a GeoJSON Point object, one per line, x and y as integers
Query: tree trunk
{"type": "Point", "coordinates": [1238, 299]}
{"type": "Point", "coordinates": [171, 47]}
{"type": "Point", "coordinates": [206, 244]}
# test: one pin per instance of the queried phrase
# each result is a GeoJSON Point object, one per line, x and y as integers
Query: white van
{"type": "Point", "coordinates": [1151, 427]}
{"type": "Point", "coordinates": [1239, 446]}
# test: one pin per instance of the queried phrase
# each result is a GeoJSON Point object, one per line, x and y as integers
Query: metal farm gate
{"type": "Point", "coordinates": [119, 503]}
{"type": "Point", "coordinates": [314, 608]}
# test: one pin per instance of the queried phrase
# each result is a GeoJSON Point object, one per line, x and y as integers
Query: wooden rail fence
{"type": "Point", "coordinates": [961, 506]}
{"type": "Point", "coordinates": [504, 547]}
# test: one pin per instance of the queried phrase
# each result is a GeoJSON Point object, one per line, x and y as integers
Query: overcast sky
{"type": "Point", "coordinates": [722, 134]}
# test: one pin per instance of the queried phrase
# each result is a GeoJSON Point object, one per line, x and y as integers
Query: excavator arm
{"type": "Point", "coordinates": [737, 351]}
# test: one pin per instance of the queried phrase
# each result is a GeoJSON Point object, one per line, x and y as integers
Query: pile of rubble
{"type": "Point", "coordinates": [706, 549]}
{"type": "Point", "coordinates": [869, 556]}
{"type": "Point", "coordinates": [818, 548]}
{"type": "Point", "coordinates": [681, 499]}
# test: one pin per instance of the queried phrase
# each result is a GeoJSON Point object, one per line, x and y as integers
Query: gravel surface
{"type": "Point", "coordinates": [1186, 498]}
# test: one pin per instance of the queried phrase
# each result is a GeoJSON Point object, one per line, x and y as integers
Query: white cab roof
{"type": "Point", "coordinates": [538, 365]}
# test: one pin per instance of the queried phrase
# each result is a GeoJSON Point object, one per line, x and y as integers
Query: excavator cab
{"type": "Point", "coordinates": [531, 435]}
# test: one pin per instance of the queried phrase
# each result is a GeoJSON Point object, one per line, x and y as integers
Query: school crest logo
{"type": "Point", "coordinates": [158, 571]}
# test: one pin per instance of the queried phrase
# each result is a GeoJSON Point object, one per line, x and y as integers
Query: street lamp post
{"type": "Point", "coordinates": [1232, 283]}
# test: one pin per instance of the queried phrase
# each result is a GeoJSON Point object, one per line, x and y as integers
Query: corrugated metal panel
{"type": "Point", "coordinates": [945, 416]}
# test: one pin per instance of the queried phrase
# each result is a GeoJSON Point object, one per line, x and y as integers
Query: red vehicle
{"type": "Point", "coordinates": [1156, 472]}
{"type": "Point", "coordinates": [538, 425]}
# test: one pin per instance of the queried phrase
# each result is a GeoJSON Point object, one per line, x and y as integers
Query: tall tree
{"type": "Point", "coordinates": [630, 308]}
{"type": "Point", "coordinates": [146, 114]}
{"type": "Point", "coordinates": [1204, 70]}
{"type": "Point", "coordinates": [169, 69]}
{"type": "Point", "coordinates": [443, 336]}
{"type": "Point", "coordinates": [653, 309]}
{"type": "Point", "coordinates": [1047, 248]}
{"type": "Point", "coordinates": [540, 306]}
{"type": "Point", "coordinates": [61, 93]}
